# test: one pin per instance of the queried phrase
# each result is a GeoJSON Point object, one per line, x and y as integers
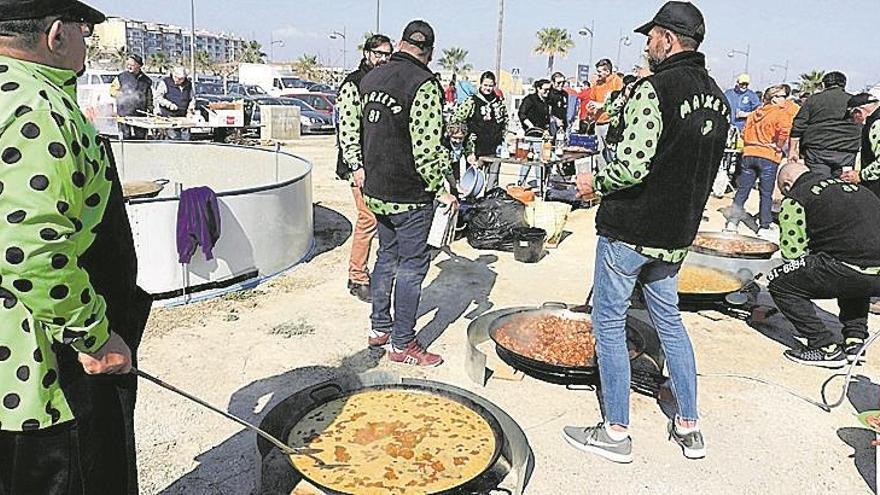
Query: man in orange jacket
{"type": "Point", "coordinates": [765, 134]}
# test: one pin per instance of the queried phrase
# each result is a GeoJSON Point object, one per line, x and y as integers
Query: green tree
{"type": "Point", "coordinates": [307, 67]}
{"type": "Point", "coordinates": [119, 56]}
{"type": "Point", "coordinates": [205, 63]}
{"type": "Point", "coordinates": [158, 62]}
{"type": "Point", "coordinates": [363, 42]}
{"type": "Point", "coordinates": [553, 42]}
{"type": "Point", "coordinates": [811, 82]}
{"type": "Point", "coordinates": [252, 53]}
{"type": "Point", "coordinates": [453, 60]}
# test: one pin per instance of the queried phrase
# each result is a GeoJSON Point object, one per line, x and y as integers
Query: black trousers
{"type": "Point", "coordinates": [44, 462]}
{"type": "Point", "coordinates": [819, 276]}
{"type": "Point", "coordinates": [828, 162]}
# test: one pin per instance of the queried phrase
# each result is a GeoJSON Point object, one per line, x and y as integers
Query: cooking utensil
{"type": "Point", "coordinates": [143, 188]}
{"type": "Point", "coordinates": [283, 447]}
{"type": "Point", "coordinates": [635, 341]}
{"type": "Point", "coordinates": [758, 248]}
{"type": "Point", "coordinates": [330, 392]}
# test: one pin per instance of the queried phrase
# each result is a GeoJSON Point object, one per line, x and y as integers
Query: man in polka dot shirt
{"type": "Point", "coordinates": [830, 235]}
{"type": "Point", "coordinates": [865, 111]}
{"type": "Point", "coordinates": [654, 193]}
{"type": "Point", "coordinates": [406, 168]}
{"type": "Point", "coordinates": [61, 431]}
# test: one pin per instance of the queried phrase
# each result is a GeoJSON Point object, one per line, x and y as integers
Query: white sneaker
{"type": "Point", "coordinates": [770, 233]}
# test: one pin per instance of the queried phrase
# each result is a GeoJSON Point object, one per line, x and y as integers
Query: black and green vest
{"type": "Point", "coordinates": [387, 94]}
{"type": "Point", "coordinates": [843, 219]}
{"type": "Point", "coordinates": [485, 123]}
{"type": "Point", "coordinates": [665, 210]}
{"type": "Point", "coordinates": [868, 155]}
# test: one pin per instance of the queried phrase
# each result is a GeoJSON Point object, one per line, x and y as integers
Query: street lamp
{"type": "Point", "coordinates": [624, 40]}
{"type": "Point", "coordinates": [377, 17]}
{"type": "Point", "coordinates": [784, 69]}
{"type": "Point", "coordinates": [588, 31]}
{"type": "Point", "coordinates": [272, 43]}
{"type": "Point", "coordinates": [335, 35]}
{"type": "Point", "coordinates": [746, 53]}
{"type": "Point", "coordinates": [192, 39]}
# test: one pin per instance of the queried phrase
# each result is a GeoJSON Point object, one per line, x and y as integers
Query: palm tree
{"type": "Point", "coordinates": [810, 82]}
{"type": "Point", "coordinates": [252, 53]}
{"type": "Point", "coordinates": [204, 62]}
{"type": "Point", "coordinates": [307, 67]}
{"type": "Point", "coordinates": [119, 56]}
{"type": "Point", "coordinates": [552, 42]}
{"type": "Point", "coordinates": [159, 62]}
{"type": "Point", "coordinates": [453, 60]}
{"type": "Point", "coordinates": [363, 42]}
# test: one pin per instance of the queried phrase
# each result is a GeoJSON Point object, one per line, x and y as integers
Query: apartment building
{"type": "Point", "coordinates": [147, 38]}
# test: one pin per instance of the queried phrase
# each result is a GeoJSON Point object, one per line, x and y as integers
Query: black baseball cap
{"type": "Point", "coordinates": [859, 100]}
{"type": "Point", "coordinates": [679, 17]}
{"type": "Point", "coordinates": [12, 10]}
{"type": "Point", "coordinates": [419, 33]}
{"type": "Point", "coordinates": [137, 58]}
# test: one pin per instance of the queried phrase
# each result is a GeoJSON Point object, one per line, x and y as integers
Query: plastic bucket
{"type": "Point", "coordinates": [529, 244]}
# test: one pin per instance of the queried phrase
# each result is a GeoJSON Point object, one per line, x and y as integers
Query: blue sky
{"type": "Point", "coordinates": [809, 34]}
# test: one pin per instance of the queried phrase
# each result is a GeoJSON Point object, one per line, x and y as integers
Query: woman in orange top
{"type": "Point", "coordinates": [765, 135]}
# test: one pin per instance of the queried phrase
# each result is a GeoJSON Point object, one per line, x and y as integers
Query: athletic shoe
{"type": "Point", "coordinates": [595, 440]}
{"type": "Point", "coordinates": [692, 445]}
{"type": "Point", "coordinates": [826, 357]}
{"type": "Point", "coordinates": [852, 347]}
{"type": "Point", "coordinates": [414, 355]}
{"type": "Point", "coordinates": [378, 339]}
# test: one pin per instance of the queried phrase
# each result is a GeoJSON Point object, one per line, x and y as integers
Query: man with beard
{"type": "Point", "coordinates": [133, 91]}
{"type": "Point", "coordinates": [865, 111]}
{"type": "Point", "coordinates": [486, 119]}
{"type": "Point", "coordinates": [606, 82]}
{"type": "Point", "coordinates": [71, 308]}
{"type": "Point", "coordinates": [654, 194]}
{"type": "Point", "coordinates": [349, 163]}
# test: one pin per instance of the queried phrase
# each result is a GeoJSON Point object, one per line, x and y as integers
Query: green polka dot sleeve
{"type": "Point", "coordinates": [50, 186]}
{"type": "Point", "coordinates": [643, 125]}
{"type": "Point", "coordinates": [793, 240]}
{"type": "Point", "coordinates": [433, 162]}
{"type": "Point", "coordinates": [464, 111]}
{"type": "Point", "coordinates": [348, 105]}
{"type": "Point", "coordinates": [872, 171]}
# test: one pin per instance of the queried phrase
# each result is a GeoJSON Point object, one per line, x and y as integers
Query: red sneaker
{"type": "Point", "coordinates": [380, 341]}
{"type": "Point", "coordinates": [414, 355]}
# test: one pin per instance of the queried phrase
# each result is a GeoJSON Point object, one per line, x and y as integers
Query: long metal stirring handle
{"type": "Point", "coordinates": [278, 443]}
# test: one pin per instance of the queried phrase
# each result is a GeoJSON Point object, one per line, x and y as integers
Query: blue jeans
{"type": "Point", "coordinates": [751, 168]}
{"type": "Point", "coordinates": [618, 267]}
{"type": "Point", "coordinates": [401, 265]}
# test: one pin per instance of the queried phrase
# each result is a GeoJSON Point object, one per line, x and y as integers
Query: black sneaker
{"type": "Point", "coordinates": [827, 357]}
{"type": "Point", "coordinates": [852, 347]}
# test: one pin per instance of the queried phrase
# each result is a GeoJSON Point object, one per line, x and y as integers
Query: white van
{"type": "Point", "coordinates": [93, 96]}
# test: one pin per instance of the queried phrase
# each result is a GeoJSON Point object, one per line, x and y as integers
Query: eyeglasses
{"type": "Point", "coordinates": [380, 53]}
{"type": "Point", "coordinates": [559, 81]}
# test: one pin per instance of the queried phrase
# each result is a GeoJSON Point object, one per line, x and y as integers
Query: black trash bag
{"type": "Point", "coordinates": [492, 220]}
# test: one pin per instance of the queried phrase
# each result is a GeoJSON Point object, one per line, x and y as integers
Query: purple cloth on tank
{"type": "Point", "coordinates": [198, 223]}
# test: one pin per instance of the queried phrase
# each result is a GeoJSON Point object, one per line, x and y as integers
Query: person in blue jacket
{"type": "Point", "coordinates": [742, 101]}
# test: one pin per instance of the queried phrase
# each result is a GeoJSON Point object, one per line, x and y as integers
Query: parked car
{"type": "Point", "coordinates": [321, 102]}
{"type": "Point", "coordinates": [250, 90]}
{"type": "Point", "coordinates": [322, 88]}
{"type": "Point", "coordinates": [311, 120]}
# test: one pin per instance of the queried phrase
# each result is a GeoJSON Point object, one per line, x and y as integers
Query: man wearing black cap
{"type": "Point", "coordinates": [405, 170]}
{"type": "Point", "coordinates": [865, 111]}
{"type": "Point", "coordinates": [133, 91]}
{"type": "Point", "coordinates": [654, 194]}
{"type": "Point", "coordinates": [71, 308]}
{"type": "Point", "coordinates": [823, 135]}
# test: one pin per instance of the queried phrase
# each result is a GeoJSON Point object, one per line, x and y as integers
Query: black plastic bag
{"type": "Point", "coordinates": [492, 219]}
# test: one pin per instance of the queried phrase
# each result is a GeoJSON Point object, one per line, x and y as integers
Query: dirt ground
{"type": "Point", "coordinates": [249, 350]}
